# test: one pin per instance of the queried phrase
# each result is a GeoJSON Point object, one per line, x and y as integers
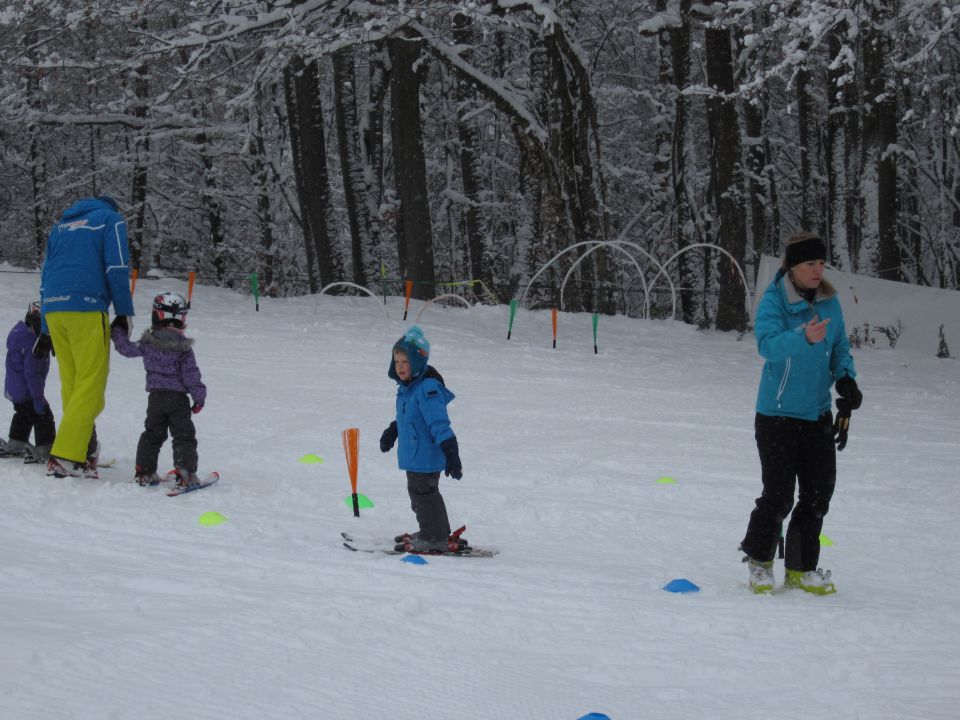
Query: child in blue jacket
{"type": "Point", "coordinates": [427, 443]}
{"type": "Point", "coordinates": [24, 383]}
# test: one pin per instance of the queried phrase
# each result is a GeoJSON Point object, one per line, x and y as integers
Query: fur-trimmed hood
{"type": "Point", "coordinates": [166, 340]}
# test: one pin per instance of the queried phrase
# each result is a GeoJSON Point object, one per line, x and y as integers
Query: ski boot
{"type": "Point", "coordinates": [39, 454]}
{"type": "Point", "coordinates": [90, 466]}
{"type": "Point", "coordinates": [144, 479]}
{"type": "Point", "coordinates": [185, 478]}
{"type": "Point", "coordinates": [817, 581]}
{"type": "Point", "coordinates": [761, 575]}
{"type": "Point", "coordinates": [61, 468]}
{"type": "Point", "coordinates": [12, 448]}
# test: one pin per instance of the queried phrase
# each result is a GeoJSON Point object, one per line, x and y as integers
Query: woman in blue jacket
{"type": "Point", "coordinates": [802, 337]}
{"type": "Point", "coordinates": [427, 443]}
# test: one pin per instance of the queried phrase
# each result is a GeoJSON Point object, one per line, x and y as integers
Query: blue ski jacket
{"type": "Point", "coordinates": [87, 263]}
{"type": "Point", "coordinates": [797, 376]}
{"type": "Point", "coordinates": [422, 423]}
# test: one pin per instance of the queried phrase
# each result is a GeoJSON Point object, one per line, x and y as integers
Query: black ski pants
{"type": "Point", "coordinates": [792, 453]}
{"type": "Point", "coordinates": [427, 503]}
{"type": "Point", "coordinates": [167, 410]}
{"type": "Point", "coordinates": [26, 420]}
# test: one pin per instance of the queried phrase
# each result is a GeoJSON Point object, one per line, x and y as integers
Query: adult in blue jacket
{"type": "Point", "coordinates": [427, 443]}
{"type": "Point", "coordinates": [802, 337]}
{"type": "Point", "coordinates": [24, 384]}
{"type": "Point", "coordinates": [85, 271]}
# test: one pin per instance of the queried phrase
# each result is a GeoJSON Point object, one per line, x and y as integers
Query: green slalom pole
{"type": "Point", "coordinates": [596, 319]}
{"type": "Point", "coordinates": [255, 287]}
{"type": "Point", "coordinates": [513, 312]}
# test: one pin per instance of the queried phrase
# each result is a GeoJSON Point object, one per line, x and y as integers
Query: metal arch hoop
{"type": "Point", "coordinates": [448, 296]}
{"type": "Point", "coordinates": [616, 245]}
{"type": "Point", "coordinates": [678, 253]}
{"type": "Point", "coordinates": [353, 285]}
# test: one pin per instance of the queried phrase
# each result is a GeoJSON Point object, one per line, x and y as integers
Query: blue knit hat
{"type": "Point", "coordinates": [417, 348]}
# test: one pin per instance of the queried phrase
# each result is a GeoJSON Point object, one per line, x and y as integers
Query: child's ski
{"type": "Point", "coordinates": [206, 482]}
{"type": "Point", "coordinates": [390, 548]}
{"type": "Point", "coordinates": [465, 552]}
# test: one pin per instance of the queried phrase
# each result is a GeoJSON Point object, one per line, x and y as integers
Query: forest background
{"type": "Point", "coordinates": [462, 145]}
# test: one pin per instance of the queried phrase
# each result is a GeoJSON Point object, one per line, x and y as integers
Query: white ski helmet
{"type": "Point", "coordinates": [170, 308]}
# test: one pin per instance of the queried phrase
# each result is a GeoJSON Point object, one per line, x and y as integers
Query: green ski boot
{"type": "Point", "coordinates": [761, 575]}
{"type": "Point", "coordinates": [816, 581]}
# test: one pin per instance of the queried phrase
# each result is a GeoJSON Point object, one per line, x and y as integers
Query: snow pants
{"type": "Point", "coordinates": [167, 410]}
{"type": "Point", "coordinates": [427, 503]}
{"type": "Point", "coordinates": [792, 453]}
{"type": "Point", "coordinates": [81, 341]}
{"type": "Point", "coordinates": [26, 420]}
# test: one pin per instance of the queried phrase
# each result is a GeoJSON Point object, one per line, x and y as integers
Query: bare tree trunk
{"type": "Point", "coordinates": [210, 199]}
{"type": "Point", "coordinates": [372, 146]}
{"type": "Point", "coordinates": [414, 230]}
{"type": "Point", "coordinates": [727, 175]}
{"type": "Point", "coordinates": [36, 159]}
{"type": "Point", "coordinates": [804, 120]}
{"type": "Point", "coordinates": [883, 98]}
{"type": "Point", "coordinates": [836, 149]}
{"type": "Point", "coordinates": [305, 118]}
{"type": "Point", "coordinates": [470, 171]}
{"type": "Point", "coordinates": [351, 164]}
{"type": "Point", "coordinates": [680, 44]}
{"type": "Point", "coordinates": [260, 173]}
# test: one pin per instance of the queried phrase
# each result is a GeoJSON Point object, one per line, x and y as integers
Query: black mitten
{"type": "Point", "coordinates": [451, 451]}
{"type": "Point", "coordinates": [43, 346]}
{"type": "Point", "coordinates": [389, 437]}
{"type": "Point", "coordinates": [120, 321]}
{"type": "Point", "coordinates": [848, 390]}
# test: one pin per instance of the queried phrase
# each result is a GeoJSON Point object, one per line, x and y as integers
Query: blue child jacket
{"type": "Point", "coordinates": [797, 376]}
{"type": "Point", "coordinates": [87, 266]}
{"type": "Point", "coordinates": [422, 424]}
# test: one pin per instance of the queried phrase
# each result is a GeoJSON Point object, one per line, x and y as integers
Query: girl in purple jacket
{"type": "Point", "coordinates": [172, 379]}
{"type": "Point", "coordinates": [26, 377]}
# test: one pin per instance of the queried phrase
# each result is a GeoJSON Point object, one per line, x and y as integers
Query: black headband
{"type": "Point", "coordinates": [810, 249]}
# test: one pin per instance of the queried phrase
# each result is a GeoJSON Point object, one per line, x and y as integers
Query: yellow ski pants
{"type": "Point", "coordinates": [81, 341]}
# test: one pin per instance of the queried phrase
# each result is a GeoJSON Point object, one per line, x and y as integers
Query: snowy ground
{"type": "Point", "coordinates": [116, 603]}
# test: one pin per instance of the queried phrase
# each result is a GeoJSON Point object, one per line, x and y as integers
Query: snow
{"type": "Point", "coordinates": [116, 603]}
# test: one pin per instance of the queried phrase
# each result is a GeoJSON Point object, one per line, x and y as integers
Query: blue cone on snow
{"type": "Point", "coordinates": [681, 585]}
{"type": "Point", "coordinates": [595, 716]}
{"type": "Point", "coordinates": [414, 560]}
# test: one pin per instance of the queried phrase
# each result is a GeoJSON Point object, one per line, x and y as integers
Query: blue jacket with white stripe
{"type": "Point", "coordinates": [87, 263]}
{"type": "Point", "coordinates": [797, 376]}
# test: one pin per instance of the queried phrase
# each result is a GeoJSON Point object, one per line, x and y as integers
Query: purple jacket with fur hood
{"type": "Point", "coordinates": [168, 359]}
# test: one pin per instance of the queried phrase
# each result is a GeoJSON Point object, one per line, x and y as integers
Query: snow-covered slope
{"type": "Point", "coordinates": [116, 603]}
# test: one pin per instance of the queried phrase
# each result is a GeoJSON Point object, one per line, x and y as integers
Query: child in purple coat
{"type": "Point", "coordinates": [26, 377]}
{"type": "Point", "coordinates": [172, 375]}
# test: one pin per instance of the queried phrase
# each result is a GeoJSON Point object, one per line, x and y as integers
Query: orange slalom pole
{"type": "Point", "coordinates": [351, 448]}
{"type": "Point", "coordinates": [553, 317]}
{"type": "Point", "coordinates": [133, 280]}
{"type": "Point", "coordinates": [193, 276]}
{"type": "Point", "coordinates": [408, 293]}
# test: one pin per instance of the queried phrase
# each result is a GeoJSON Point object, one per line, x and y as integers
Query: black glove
{"type": "Point", "coordinates": [841, 423]}
{"type": "Point", "coordinates": [43, 346]}
{"type": "Point", "coordinates": [120, 321]}
{"type": "Point", "coordinates": [389, 437]}
{"type": "Point", "coordinates": [451, 451]}
{"type": "Point", "coordinates": [848, 390]}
